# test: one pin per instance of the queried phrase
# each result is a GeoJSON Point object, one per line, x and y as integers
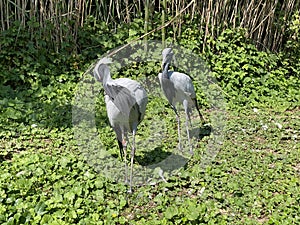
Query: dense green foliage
{"type": "Point", "coordinates": [254, 179]}
{"type": "Point", "coordinates": [45, 180]}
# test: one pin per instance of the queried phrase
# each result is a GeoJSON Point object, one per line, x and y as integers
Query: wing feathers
{"type": "Point", "coordinates": [122, 98]}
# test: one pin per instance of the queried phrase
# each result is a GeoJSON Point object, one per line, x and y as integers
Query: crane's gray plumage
{"type": "Point", "coordinates": [178, 88]}
{"type": "Point", "coordinates": [126, 102]}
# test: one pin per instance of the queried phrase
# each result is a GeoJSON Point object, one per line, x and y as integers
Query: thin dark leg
{"type": "Point", "coordinates": [121, 148]}
{"type": "Point", "coordinates": [197, 107]}
{"type": "Point", "coordinates": [119, 139]}
{"type": "Point", "coordinates": [124, 144]}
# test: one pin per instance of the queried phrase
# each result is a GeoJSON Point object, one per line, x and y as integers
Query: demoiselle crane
{"type": "Point", "coordinates": [126, 102]}
{"type": "Point", "coordinates": [178, 88]}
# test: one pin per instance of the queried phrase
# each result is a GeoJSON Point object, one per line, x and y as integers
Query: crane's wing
{"type": "Point", "coordinates": [184, 83]}
{"type": "Point", "coordinates": [122, 98]}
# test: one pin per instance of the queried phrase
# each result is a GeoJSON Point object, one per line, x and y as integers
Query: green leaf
{"type": "Point", "coordinates": [193, 213]}
{"type": "Point", "coordinates": [70, 195]}
{"type": "Point", "coordinates": [171, 211]}
{"type": "Point", "coordinates": [40, 208]}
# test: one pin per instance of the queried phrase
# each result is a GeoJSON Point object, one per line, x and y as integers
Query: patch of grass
{"type": "Point", "coordinates": [253, 180]}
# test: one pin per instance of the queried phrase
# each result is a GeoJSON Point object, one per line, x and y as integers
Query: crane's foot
{"type": "Point", "coordinates": [129, 191]}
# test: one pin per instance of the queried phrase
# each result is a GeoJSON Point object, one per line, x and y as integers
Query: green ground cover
{"type": "Point", "coordinates": [45, 179]}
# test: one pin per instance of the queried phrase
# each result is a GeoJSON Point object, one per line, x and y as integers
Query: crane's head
{"type": "Point", "coordinates": [167, 55]}
{"type": "Point", "coordinates": [101, 70]}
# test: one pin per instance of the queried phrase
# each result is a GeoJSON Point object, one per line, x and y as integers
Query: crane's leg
{"type": "Point", "coordinates": [186, 109]}
{"type": "Point", "coordinates": [188, 113]}
{"type": "Point", "coordinates": [197, 107]}
{"type": "Point", "coordinates": [178, 127]}
{"type": "Point", "coordinates": [124, 144]}
{"type": "Point", "coordinates": [132, 159]}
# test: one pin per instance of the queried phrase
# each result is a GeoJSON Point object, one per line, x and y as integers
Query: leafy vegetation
{"type": "Point", "coordinates": [46, 179]}
{"type": "Point", "coordinates": [254, 179]}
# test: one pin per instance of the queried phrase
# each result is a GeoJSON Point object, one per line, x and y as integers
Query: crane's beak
{"type": "Point", "coordinates": [97, 76]}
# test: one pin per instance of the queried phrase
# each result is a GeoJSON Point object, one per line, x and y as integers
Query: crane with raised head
{"type": "Point", "coordinates": [178, 88]}
{"type": "Point", "coordinates": [126, 102]}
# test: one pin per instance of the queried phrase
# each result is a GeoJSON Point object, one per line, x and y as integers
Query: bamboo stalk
{"type": "Point", "coordinates": [146, 24]}
{"type": "Point", "coordinates": [207, 22]}
{"type": "Point", "coordinates": [163, 20]}
{"type": "Point", "coordinates": [2, 16]}
{"type": "Point", "coordinates": [7, 15]}
{"type": "Point", "coordinates": [193, 11]}
{"type": "Point", "coordinates": [127, 18]}
{"type": "Point", "coordinates": [109, 11]}
{"type": "Point", "coordinates": [179, 18]}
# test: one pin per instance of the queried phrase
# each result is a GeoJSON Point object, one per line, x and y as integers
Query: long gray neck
{"type": "Point", "coordinates": [105, 72]}
{"type": "Point", "coordinates": [106, 78]}
{"type": "Point", "coordinates": [165, 71]}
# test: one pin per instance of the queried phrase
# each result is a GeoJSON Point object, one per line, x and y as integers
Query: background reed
{"type": "Point", "coordinates": [265, 21]}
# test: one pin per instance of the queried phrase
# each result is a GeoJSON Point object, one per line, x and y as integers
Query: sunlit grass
{"type": "Point", "coordinates": [253, 179]}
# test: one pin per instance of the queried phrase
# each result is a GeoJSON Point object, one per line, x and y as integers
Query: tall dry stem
{"type": "Point", "coordinates": [264, 21]}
